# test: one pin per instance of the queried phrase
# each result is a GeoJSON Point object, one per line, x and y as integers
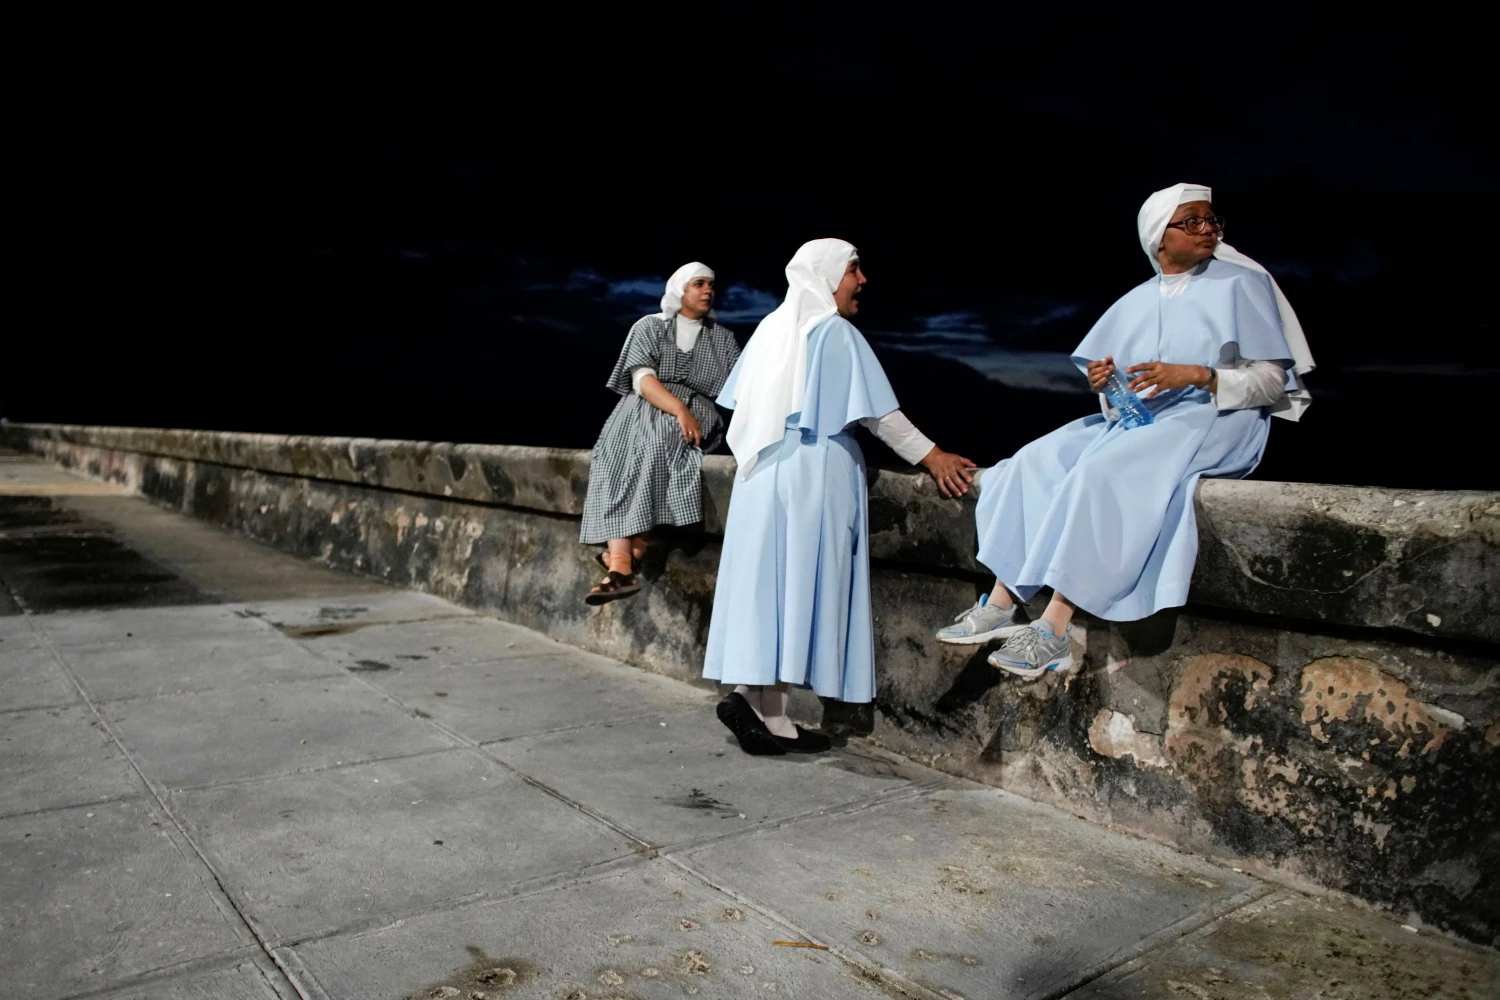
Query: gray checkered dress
{"type": "Point", "coordinates": [643, 473]}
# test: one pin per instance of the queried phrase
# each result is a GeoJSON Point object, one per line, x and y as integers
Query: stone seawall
{"type": "Point", "coordinates": [1327, 707]}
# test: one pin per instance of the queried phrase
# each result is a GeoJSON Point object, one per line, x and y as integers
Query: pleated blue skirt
{"type": "Point", "coordinates": [1104, 514]}
{"type": "Point", "coordinates": [792, 601]}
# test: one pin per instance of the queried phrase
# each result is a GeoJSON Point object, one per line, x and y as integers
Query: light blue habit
{"type": "Point", "coordinates": [792, 601]}
{"type": "Point", "coordinates": [1102, 513]}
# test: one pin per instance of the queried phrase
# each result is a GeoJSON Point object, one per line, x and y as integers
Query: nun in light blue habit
{"type": "Point", "coordinates": [792, 601]}
{"type": "Point", "coordinates": [1103, 513]}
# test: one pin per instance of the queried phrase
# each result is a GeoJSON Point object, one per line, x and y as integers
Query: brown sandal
{"type": "Point", "coordinates": [614, 587]}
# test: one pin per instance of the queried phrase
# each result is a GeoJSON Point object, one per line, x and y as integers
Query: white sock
{"type": "Point", "coordinates": [773, 705]}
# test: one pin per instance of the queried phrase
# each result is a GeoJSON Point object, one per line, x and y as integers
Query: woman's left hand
{"type": "Point", "coordinates": [1164, 376]}
{"type": "Point", "coordinates": [691, 432]}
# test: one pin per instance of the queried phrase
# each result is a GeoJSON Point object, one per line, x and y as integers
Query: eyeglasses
{"type": "Point", "coordinates": [1194, 226]}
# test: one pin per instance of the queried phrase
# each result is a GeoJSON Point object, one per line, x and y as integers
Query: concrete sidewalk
{"type": "Point", "coordinates": [229, 773]}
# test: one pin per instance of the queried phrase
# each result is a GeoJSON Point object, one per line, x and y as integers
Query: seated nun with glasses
{"type": "Point", "coordinates": [1101, 509]}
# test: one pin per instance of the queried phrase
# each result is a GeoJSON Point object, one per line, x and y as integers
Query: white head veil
{"type": "Point", "coordinates": [1151, 224]}
{"type": "Point", "coordinates": [773, 369]}
{"type": "Point", "coordinates": [671, 300]}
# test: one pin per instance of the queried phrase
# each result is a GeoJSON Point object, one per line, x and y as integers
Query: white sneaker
{"type": "Point", "coordinates": [980, 624]}
{"type": "Point", "coordinates": [1033, 651]}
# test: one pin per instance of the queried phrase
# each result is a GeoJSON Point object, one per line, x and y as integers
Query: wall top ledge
{"type": "Point", "coordinates": [1424, 561]}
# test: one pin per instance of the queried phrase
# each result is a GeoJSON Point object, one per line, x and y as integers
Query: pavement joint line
{"type": "Point", "coordinates": [566, 651]}
{"type": "Point", "coordinates": [296, 971]}
{"type": "Point", "coordinates": [165, 641]}
{"type": "Point", "coordinates": [247, 686]}
{"type": "Point", "coordinates": [914, 790]}
{"type": "Point", "coordinates": [255, 779]}
{"type": "Point", "coordinates": [187, 967]}
{"type": "Point", "coordinates": [268, 627]}
{"type": "Point", "coordinates": [165, 644]}
{"type": "Point", "coordinates": [526, 888]}
{"type": "Point", "coordinates": [618, 720]}
{"type": "Point", "coordinates": [849, 956]}
{"type": "Point", "coordinates": [256, 686]}
{"type": "Point", "coordinates": [23, 709]}
{"type": "Point", "coordinates": [487, 661]}
{"type": "Point", "coordinates": [1174, 931]}
{"type": "Point", "coordinates": [276, 981]}
{"type": "Point", "coordinates": [219, 891]}
{"type": "Point", "coordinates": [15, 595]}
{"type": "Point", "coordinates": [1207, 927]}
{"type": "Point", "coordinates": [467, 614]}
{"type": "Point", "coordinates": [64, 807]}
{"type": "Point", "coordinates": [62, 655]}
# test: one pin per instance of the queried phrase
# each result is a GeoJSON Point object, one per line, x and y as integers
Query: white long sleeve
{"type": "Point", "coordinates": [900, 435]}
{"type": "Point", "coordinates": [1250, 384]}
{"type": "Point", "coordinates": [636, 374]}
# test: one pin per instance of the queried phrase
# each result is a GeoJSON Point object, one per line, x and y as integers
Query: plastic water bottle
{"type": "Point", "coordinates": [1133, 412]}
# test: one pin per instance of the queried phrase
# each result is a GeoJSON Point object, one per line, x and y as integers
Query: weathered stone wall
{"type": "Point", "coordinates": [1328, 706]}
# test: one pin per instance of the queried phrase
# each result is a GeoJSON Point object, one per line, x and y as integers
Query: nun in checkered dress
{"type": "Point", "coordinates": [646, 467]}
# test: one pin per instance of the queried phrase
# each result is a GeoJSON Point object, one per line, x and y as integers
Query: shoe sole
{"type": "Point", "coordinates": [1063, 665]}
{"type": "Point", "coordinates": [1003, 632]}
{"type": "Point", "coordinates": [751, 740]}
{"type": "Point", "coordinates": [598, 600]}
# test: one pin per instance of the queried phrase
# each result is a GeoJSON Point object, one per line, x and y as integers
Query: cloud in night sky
{"type": "Point", "coordinates": [1050, 371]}
{"type": "Point", "coordinates": [960, 336]}
{"type": "Point", "coordinates": [745, 305]}
{"type": "Point", "coordinates": [642, 295]}
{"type": "Point", "coordinates": [738, 304]}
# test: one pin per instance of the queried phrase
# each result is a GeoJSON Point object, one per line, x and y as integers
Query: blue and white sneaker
{"type": "Point", "coordinates": [980, 624]}
{"type": "Point", "coordinates": [1033, 651]}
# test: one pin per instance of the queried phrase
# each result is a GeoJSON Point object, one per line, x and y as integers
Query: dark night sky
{"type": "Point", "coordinates": [437, 230]}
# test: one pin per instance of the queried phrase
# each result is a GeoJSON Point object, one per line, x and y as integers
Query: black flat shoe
{"type": "Point", "coordinates": [740, 719]}
{"type": "Point", "coordinates": [807, 741]}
